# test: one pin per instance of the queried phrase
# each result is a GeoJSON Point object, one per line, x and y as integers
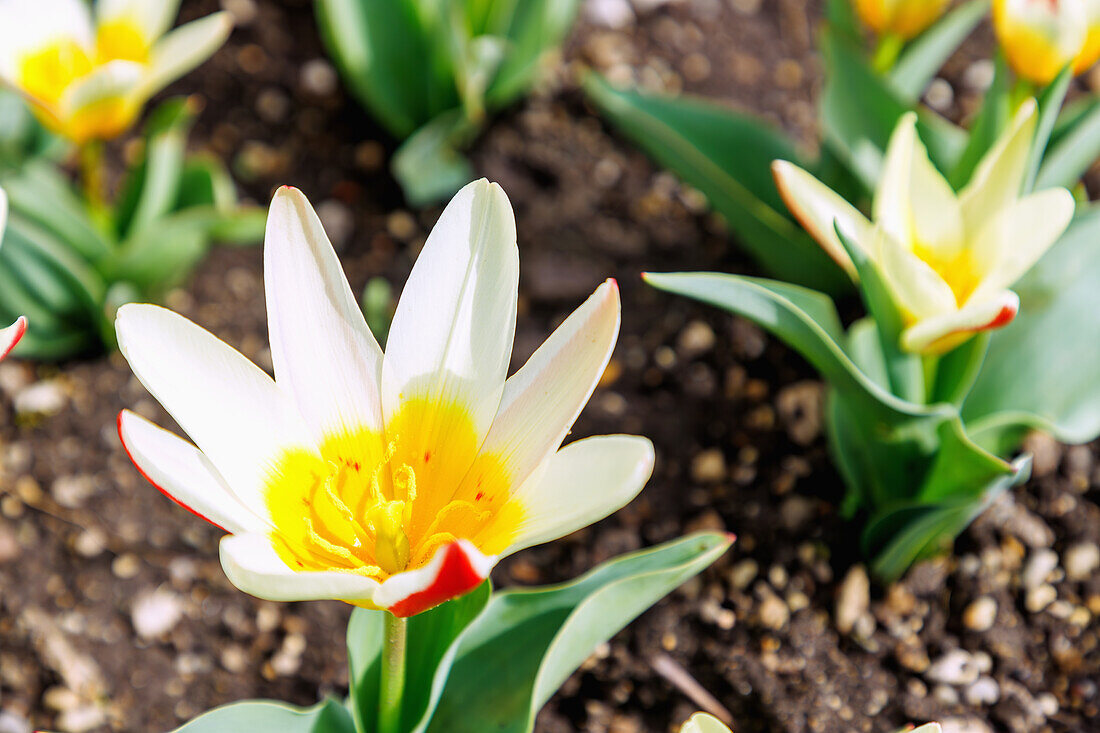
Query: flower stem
{"type": "Point", "coordinates": [887, 52]}
{"type": "Point", "coordinates": [393, 674]}
{"type": "Point", "coordinates": [91, 173]}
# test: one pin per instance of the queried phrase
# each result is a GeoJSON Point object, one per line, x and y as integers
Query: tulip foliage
{"type": "Point", "coordinates": [975, 268]}
{"type": "Point", "coordinates": [432, 72]}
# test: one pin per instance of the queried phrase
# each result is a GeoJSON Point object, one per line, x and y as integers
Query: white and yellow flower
{"type": "Point", "coordinates": [904, 18]}
{"type": "Point", "coordinates": [9, 336]}
{"type": "Point", "coordinates": [703, 723]}
{"type": "Point", "coordinates": [948, 258]}
{"type": "Point", "coordinates": [87, 79]}
{"type": "Point", "coordinates": [389, 481]}
{"type": "Point", "coordinates": [1040, 37]}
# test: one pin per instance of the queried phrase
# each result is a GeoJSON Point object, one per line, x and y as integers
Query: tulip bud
{"type": "Point", "coordinates": [1041, 37]}
{"type": "Point", "coordinates": [905, 18]}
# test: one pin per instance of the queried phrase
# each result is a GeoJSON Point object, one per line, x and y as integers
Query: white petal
{"type": "Point", "coordinates": [227, 405]}
{"type": "Point", "coordinates": [152, 17]}
{"type": "Point", "coordinates": [27, 26]}
{"type": "Point", "coordinates": [454, 570]}
{"type": "Point", "coordinates": [543, 399]}
{"type": "Point", "coordinates": [1018, 235]}
{"type": "Point", "coordinates": [582, 483]}
{"type": "Point", "coordinates": [451, 336]}
{"type": "Point", "coordinates": [997, 179]}
{"type": "Point", "coordinates": [820, 209]}
{"type": "Point", "coordinates": [10, 336]}
{"type": "Point", "coordinates": [937, 215]}
{"type": "Point", "coordinates": [324, 354]}
{"type": "Point", "coordinates": [892, 208]}
{"type": "Point", "coordinates": [917, 288]}
{"type": "Point", "coordinates": [183, 49]}
{"type": "Point", "coordinates": [251, 563]}
{"type": "Point", "coordinates": [114, 80]}
{"type": "Point", "coordinates": [940, 333]}
{"type": "Point", "coordinates": [703, 723]}
{"type": "Point", "coordinates": [928, 728]}
{"type": "Point", "coordinates": [184, 475]}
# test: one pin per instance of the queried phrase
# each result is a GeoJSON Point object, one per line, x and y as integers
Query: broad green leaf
{"type": "Point", "coordinates": [1041, 369]}
{"type": "Point", "coordinates": [158, 258]}
{"type": "Point", "coordinates": [204, 181]}
{"type": "Point", "coordinates": [1073, 152]}
{"type": "Point", "coordinates": [239, 226]}
{"type": "Point", "coordinates": [991, 120]}
{"type": "Point", "coordinates": [842, 20]}
{"type": "Point", "coordinates": [41, 195]}
{"type": "Point", "coordinates": [896, 447]}
{"type": "Point", "coordinates": [527, 642]}
{"type": "Point", "coordinates": [901, 535]}
{"type": "Point", "coordinates": [428, 165]}
{"type": "Point", "coordinates": [926, 55]}
{"type": "Point", "coordinates": [859, 112]}
{"type": "Point", "coordinates": [263, 715]}
{"type": "Point", "coordinates": [432, 645]}
{"type": "Point", "coordinates": [956, 371]}
{"type": "Point", "coordinates": [728, 157]}
{"type": "Point", "coordinates": [388, 59]}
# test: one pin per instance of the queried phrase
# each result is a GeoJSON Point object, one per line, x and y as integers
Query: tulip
{"type": "Point", "coordinates": [948, 258]}
{"type": "Point", "coordinates": [903, 18]}
{"type": "Point", "coordinates": [391, 481]}
{"type": "Point", "coordinates": [88, 80]}
{"type": "Point", "coordinates": [9, 336]}
{"type": "Point", "coordinates": [703, 723]}
{"type": "Point", "coordinates": [1041, 37]}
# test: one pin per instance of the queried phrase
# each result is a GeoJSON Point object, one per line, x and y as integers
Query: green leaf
{"type": "Point", "coordinates": [428, 165]}
{"type": "Point", "coordinates": [527, 642]}
{"type": "Point", "coordinates": [432, 645]}
{"type": "Point", "coordinates": [533, 28]}
{"type": "Point", "coordinates": [1050, 106]}
{"type": "Point", "coordinates": [859, 112]}
{"type": "Point", "coordinates": [1073, 152]}
{"type": "Point", "coordinates": [239, 226]}
{"type": "Point", "coordinates": [957, 370]}
{"type": "Point", "coordinates": [901, 535]}
{"type": "Point", "coordinates": [389, 59]}
{"type": "Point", "coordinates": [990, 122]}
{"type": "Point", "coordinates": [378, 306]}
{"type": "Point", "coordinates": [925, 56]}
{"type": "Point", "coordinates": [263, 715]}
{"type": "Point", "coordinates": [894, 448]}
{"type": "Point", "coordinates": [41, 195]}
{"type": "Point", "coordinates": [728, 157]}
{"type": "Point", "coordinates": [204, 181]}
{"type": "Point", "coordinates": [1041, 369]}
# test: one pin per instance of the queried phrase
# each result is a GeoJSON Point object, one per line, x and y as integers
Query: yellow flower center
{"type": "Point", "coordinates": [958, 270]}
{"type": "Point", "coordinates": [46, 74]}
{"type": "Point", "coordinates": [121, 40]}
{"type": "Point", "coordinates": [378, 506]}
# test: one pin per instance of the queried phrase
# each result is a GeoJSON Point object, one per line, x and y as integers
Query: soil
{"type": "Point", "coordinates": [114, 612]}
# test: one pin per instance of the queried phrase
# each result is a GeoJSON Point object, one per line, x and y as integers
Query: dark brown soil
{"type": "Point", "coordinates": [781, 632]}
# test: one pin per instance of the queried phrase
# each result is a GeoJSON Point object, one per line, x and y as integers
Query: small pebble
{"type": "Point", "coordinates": [318, 77]}
{"type": "Point", "coordinates": [955, 667]}
{"type": "Point", "coordinates": [983, 692]}
{"type": "Point", "coordinates": [1039, 598]}
{"type": "Point", "coordinates": [853, 598]}
{"type": "Point", "coordinates": [980, 614]}
{"type": "Point", "coordinates": [1039, 565]}
{"type": "Point", "coordinates": [41, 398]}
{"type": "Point", "coordinates": [156, 613]}
{"type": "Point", "coordinates": [1081, 560]}
{"type": "Point", "coordinates": [708, 466]}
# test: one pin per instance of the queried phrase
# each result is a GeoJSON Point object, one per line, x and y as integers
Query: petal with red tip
{"type": "Point", "coordinates": [455, 569]}
{"type": "Point", "coordinates": [10, 336]}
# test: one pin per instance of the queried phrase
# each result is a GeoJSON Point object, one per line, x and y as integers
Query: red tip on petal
{"type": "Point", "coordinates": [731, 537]}
{"type": "Point", "coordinates": [20, 329]}
{"type": "Point", "coordinates": [456, 577]}
{"type": "Point", "coordinates": [157, 486]}
{"type": "Point", "coordinates": [1003, 318]}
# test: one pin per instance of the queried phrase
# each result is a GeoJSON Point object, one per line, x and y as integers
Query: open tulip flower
{"type": "Point", "coordinates": [1041, 37]}
{"type": "Point", "coordinates": [904, 18]}
{"type": "Point", "coordinates": [947, 258]}
{"type": "Point", "coordinates": [703, 723]}
{"type": "Point", "coordinates": [393, 481]}
{"type": "Point", "coordinates": [88, 79]}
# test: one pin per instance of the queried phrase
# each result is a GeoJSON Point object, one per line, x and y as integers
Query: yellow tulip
{"type": "Point", "coordinates": [1041, 37]}
{"type": "Point", "coordinates": [948, 258]}
{"type": "Point", "coordinates": [905, 18]}
{"type": "Point", "coordinates": [87, 78]}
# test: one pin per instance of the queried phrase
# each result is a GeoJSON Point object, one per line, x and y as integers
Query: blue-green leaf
{"type": "Point", "coordinates": [925, 56]}
{"type": "Point", "coordinates": [253, 716]}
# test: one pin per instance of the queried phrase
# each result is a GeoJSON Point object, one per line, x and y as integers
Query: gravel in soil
{"type": "Point", "coordinates": [114, 612]}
